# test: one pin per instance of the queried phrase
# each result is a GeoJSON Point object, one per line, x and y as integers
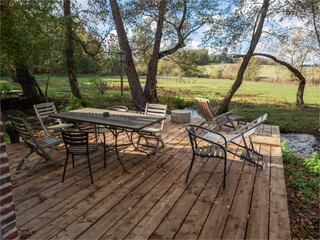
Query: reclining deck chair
{"type": "Point", "coordinates": [225, 119]}
{"type": "Point", "coordinates": [36, 145]}
{"type": "Point", "coordinates": [43, 110]}
{"type": "Point", "coordinates": [243, 133]}
{"type": "Point", "coordinates": [153, 133]}
{"type": "Point", "coordinates": [205, 148]}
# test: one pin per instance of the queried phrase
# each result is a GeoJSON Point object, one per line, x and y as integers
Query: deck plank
{"type": "Point", "coordinates": [152, 200]}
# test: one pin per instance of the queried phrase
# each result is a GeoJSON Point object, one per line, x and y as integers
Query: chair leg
{"type": "Point", "coordinates": [23, 160]}
{"type": "Point", "coordinates": [65, 167]}
{"type": "Point", "coordinates": [138, 142]}
{"type": "Point", "coordinates": [89, 165]}
{"type": "Point", "coordinates": [224, 172]}
{"type": "Point", "coordinates": [72, 160]}
{"type": "Point", "coordinates": [104, 156]}
{"type": "Point", "coordinates": [191, 164]}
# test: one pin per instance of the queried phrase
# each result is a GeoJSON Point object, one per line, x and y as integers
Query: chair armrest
{"type": "Point", "coordinates": [211, 132]}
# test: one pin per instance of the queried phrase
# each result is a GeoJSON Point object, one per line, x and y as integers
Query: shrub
{"type": "Point", "coordinates": [216, 74]}
{"type": "Point", "coordinates": [174, 102]}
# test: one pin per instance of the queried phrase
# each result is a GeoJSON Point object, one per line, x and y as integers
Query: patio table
{"type": "Point", "coordinates": [115, 121]}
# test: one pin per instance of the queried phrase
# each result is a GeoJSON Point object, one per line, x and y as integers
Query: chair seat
{"type": "Point", "coordinates": [150, 130]}
{"type": "Point", "coordinates": [48, 140]}
{"type": "Point", "coordinates": [209, 151]}
{"type": "Point", "coordinates": [60, 126]}
{"type": "Point", "coordinates": [82, 149]}
{"type": "Point", "coordinates": [237, 118]}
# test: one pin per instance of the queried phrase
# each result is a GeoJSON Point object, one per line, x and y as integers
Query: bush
{"type": "Point", "coordinates": [313, 163]}
{"type": "Point", "coordinates": [74, 103]}
{"type": "Point", "coordinates": [216, 74]}
{"type": "Point", "coordinates": [173, 102]}
{"type": "Point", "coordinates": [10, 129]}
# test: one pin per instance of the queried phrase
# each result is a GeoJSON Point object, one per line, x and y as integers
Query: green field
{"type": "Point", "coordinates": [268, 72]}
{"type": "Point", "coordinates": [251, 100]}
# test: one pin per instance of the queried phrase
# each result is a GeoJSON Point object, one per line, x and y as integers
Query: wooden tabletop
{"type": "Point", "coordinates": [118, 119]}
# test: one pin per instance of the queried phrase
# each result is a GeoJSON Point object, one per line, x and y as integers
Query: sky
{"type": "Point", "coordinates": [195, 42]}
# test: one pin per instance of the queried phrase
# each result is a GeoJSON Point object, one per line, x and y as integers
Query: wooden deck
{"type": "Point", "coordinates": [152, 199]}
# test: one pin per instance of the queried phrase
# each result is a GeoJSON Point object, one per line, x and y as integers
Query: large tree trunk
{"type": "Point", "coordinates": [150, 91]}
{"type": "Point", "coordinates": [29, 85]}
{"type": "Point", "coordinates": [131, 72]}
{"type": "Point", "coordinates": [296, 72]}
{"type": "Point", "coordinates": [224, 107]}
{"type": "Point", "coordinates": [69, 51]}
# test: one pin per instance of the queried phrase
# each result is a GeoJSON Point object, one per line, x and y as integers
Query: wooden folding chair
{"type": "Point", "coordinates": [225, 119]}
{"type": "Point", "coordinates": [35, 145]}
{"type": "Point", "coordinates": [43, 110]}
{"type": "Point", "coordinates": [153, 132]}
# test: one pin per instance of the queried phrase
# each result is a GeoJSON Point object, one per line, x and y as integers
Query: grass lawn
{"type": "Point", "coordinates": [251, 100]}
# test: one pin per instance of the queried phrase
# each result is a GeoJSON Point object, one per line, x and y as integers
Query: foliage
{"type": "Point", "coordinates": [298, 172]}
{"type": "Point", "coordinates": [10, 129]}
{"type": "Point", "coordinates": [173, 102]}
{"type": "Point", "coordinates": [313, 163]}
{"type": "Point", "coordinates": [74, 103]}
{"type": "Point", "coordinates": [5, 88]}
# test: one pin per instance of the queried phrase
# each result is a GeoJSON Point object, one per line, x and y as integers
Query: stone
{"type": "Point", "coordinates": [180, 116]}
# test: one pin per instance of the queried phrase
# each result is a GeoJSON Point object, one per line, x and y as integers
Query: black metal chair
{"type": "Point", "coordinates": [77, 143]}
{"type": "Point", "coordinates": [120, 108]}
{"type": "Point", "coordinates": [205, 148]}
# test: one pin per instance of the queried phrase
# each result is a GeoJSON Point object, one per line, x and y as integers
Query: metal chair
{"type": "Point", "coordinates": [120, 108]}
{"type": "Point", "coordinates": [35, 145]}
{"type": "Point", "coordinates": [140, 106]}
{"type": "Point", "coordinates": [153, 133]}
{"type": "Point", "coordinates": [225, 119]}
{"type": "Point", "coordinates": [244, 133]}
{"type": "Point", "coordinates": [43, 110]}
{"type": "Point", "coordinates": [205, 148]}
{"type": "Point", "coordinates": [77, 143]}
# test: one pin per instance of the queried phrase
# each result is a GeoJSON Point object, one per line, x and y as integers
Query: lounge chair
{"type": "Point", "coordinates": [153, 132]}
{"type": "Point", "coordinates": [242, 133]}
{"type": "Point", "coordinates": [217, 122]}
{"type": "Point", "coordinates": [36, 145]}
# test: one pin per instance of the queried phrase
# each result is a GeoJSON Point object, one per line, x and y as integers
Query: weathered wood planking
{"type": "Point", "coordinates": [152, 200]}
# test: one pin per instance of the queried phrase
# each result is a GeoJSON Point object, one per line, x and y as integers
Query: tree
{"type": "Point", "coordinates": [22, 40]}
{"type": "Point", "coordinates": [174, 21]}
{"type": "Point", "coordinates": [256, 33]}
{"type": "Point", "coordinates": [69, 50]}
{"type": "Point", "coordinates": [295, 71]}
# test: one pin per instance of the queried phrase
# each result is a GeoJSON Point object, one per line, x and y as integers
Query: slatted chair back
{"type": "Point", "coordinates": [24, 130]}
{"type": "Point", "coordinates": [153, 132]}
{"type": "Point", "coordinates": [77, 143]}
{"type": "Point", "coordinates": [43, 110]}
{"type": "Point", "coordinates": [225, 119]}
{"type": "Point", "coordinates": [204, 109]}
{"type": "Point", "coordinates": [205, 148]}
{"type": "Point", "coordinates": [75, 139]}
{"type": "Point", "coordinates": [160, 110]}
